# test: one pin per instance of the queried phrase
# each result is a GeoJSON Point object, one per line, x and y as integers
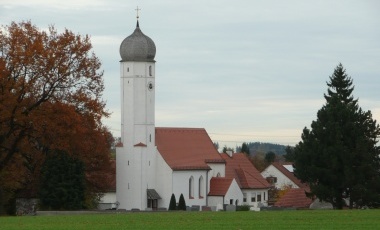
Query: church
{"type": "Point", "coordinates": [152, 163]}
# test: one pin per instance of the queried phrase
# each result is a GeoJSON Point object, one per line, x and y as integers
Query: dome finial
{"type": "Point", "coordinates": [137, 16]}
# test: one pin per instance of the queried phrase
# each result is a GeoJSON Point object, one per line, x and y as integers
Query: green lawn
{"type": "Point", "coordinates": [334, 219]}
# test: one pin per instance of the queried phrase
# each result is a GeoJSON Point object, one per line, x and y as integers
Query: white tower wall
{"type": "Point", "coordinates": [136, 162]}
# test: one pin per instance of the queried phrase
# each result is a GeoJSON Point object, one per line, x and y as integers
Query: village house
{"type": "Point", "coordinates": [281, 176]}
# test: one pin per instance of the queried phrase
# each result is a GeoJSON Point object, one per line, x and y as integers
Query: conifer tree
{"type": "Point", "coordinates": [62, 182]}
{"type": "Point", "coordinates": [245, 148]}
{"type": "Point", "coordinates": [182, 203]}
{"type": "Point", "coordinates": [339, 157]}
{"type": "Point", "coordinates": [173, 203]}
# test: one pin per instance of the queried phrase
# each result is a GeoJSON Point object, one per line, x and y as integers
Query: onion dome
{"type": "Point", "coordinates": [137, 47]}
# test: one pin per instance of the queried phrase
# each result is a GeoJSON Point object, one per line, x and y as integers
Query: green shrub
{"type": "Point", "coordinates": [173, 203]}
{"type": "Point", "coordinates": [244, 207]}
{"type": "Point", "coordinates": [182, 203]}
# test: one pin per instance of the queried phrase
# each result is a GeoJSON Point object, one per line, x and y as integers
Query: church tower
{"type": "Point", "coordinates": [136, 155]}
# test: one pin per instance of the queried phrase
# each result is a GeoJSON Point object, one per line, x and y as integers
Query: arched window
{"type": "Point", "coordinates": [218, 175]}
{"type": "Point", "coordinates": [191, 187]}
{"type": "Point", "coordinates": [150, 70]}
{"type": "Point", "coordinates": [200, 187]}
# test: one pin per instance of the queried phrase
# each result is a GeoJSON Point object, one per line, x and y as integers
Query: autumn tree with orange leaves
{"type": "Point", "coordinates": [50, 99]}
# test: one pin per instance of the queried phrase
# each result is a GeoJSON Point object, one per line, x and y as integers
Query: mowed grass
{"type": "Point", "coordinates": [332, 219]}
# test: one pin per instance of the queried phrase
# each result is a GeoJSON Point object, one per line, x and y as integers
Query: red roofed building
{"type": "Point", "coordinates": [253, 186]}
{"type": "Point", "coordinates": [282, 177]}
{"type": "Point", "coordinates": [154, 163]}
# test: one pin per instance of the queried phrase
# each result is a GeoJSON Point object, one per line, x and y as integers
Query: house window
{"type": "Point", "coordinates": [150, 70]}
{"type": "Point", "coordinates": [200, 187]}
{"type": "Point", "coordinates": [231, 201]}
{"type": "Point", "coordinates": [272, 179]}
{"type": "Point", "coordinates": [218, 175]}
{"type": "Point", "coordinates": [244, 197]}
{"type": "Point", "coordinates": [259, 197]}
{"type": "Point", "coordinates": [191, 187]}
{"type": "Point", "coordinates": [253, 197]}
{"type": "Point", "coordinates": [128, 69]}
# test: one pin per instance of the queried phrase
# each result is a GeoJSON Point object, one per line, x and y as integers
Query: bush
{"type": "Point", "coordinates": [244, 207]}
{"type": "Point", "coordinates": [173, 203]}
{"type": "Point", "coordinates": [182, 203]}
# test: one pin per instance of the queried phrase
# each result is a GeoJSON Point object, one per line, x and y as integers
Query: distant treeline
{"type": "Point", "coordinates": [260, 147]}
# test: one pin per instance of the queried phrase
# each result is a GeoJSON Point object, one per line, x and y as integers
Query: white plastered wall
{"type": "Point", "coordinates": [181, 185]}
{"type": "Point", "coordinates": [164, 179]}
{"type": "Point", "coordinates": [234, 193]}
{"type": "Point", "coordinates": [282, 180]}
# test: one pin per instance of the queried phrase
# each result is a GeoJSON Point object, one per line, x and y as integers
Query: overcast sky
{"type": "Point", "coordinates": [245, 70]}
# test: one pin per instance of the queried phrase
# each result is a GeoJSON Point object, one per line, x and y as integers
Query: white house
{"type": "Point", "coordinates": [281, 175]}
{"type": "Point", "coordinates": [153, 163]}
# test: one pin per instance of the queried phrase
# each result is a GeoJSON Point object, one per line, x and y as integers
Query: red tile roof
{"type": "Point", "coordinates": [288, 174]}
{"type": "Point", "coordinates": [296, 198]}
{"type": "Point", "coordinates": [219, 186]}
{"type": "Point", "coordinates": [186, 148]}
{"type": "Point", "coordinates": [241, 168]}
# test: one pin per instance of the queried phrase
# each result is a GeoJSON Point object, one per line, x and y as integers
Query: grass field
{"type": "Point", "coordinates": [334, 219]}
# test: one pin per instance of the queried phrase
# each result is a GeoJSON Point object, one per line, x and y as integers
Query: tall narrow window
{"type": "Point", "coordinates": [244, 197]}
{"type": "Point", "coordinates": [128, 69]}
{"type": "Point", "coordinates": [150, 137]}
{"type": "Point", "coordinates": [253, 197]}
{"type": "Point", "coordinates": [150, 70]}
{"type": "Point", "coordinates": [200, 187]}
{"type": "Point", "coordinates": [259, 197]}
{"type": "Point", "coordinates": [191, 187]}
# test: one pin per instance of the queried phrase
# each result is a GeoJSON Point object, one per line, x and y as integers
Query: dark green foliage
{"type": "Point", "coordinates": [270, 157]}
{"type": "Point", "coordinates": [225, 149]}
{"type": "Point", "coordinates": [339, 157]}
{"type": "Point", "coordinates": [182, 203]}
{"type": "Point", "coordinates": [245, 148]}
{"type": "Point", "coordinates": [62, 182]}
{"type": "Point", "coordinates": [173, 203]}
{"type": "Point", "coordinates": [261, 147]}
{"type": "Point", "coordinates": [216, 144]}
{"type": "Point", "coordinates": [243, 208]}
{"type": "Point", "coordinates": [289, 155]}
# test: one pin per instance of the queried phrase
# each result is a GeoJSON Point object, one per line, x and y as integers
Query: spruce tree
{"type": "Point", "coordinates": [339, 157]}
{"type": "Point", "coordinates": [245, 148]}
{"type": "Point", "coordinates": [182, 203]}
{"type": "Point", "coordinates": [173, 203]}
